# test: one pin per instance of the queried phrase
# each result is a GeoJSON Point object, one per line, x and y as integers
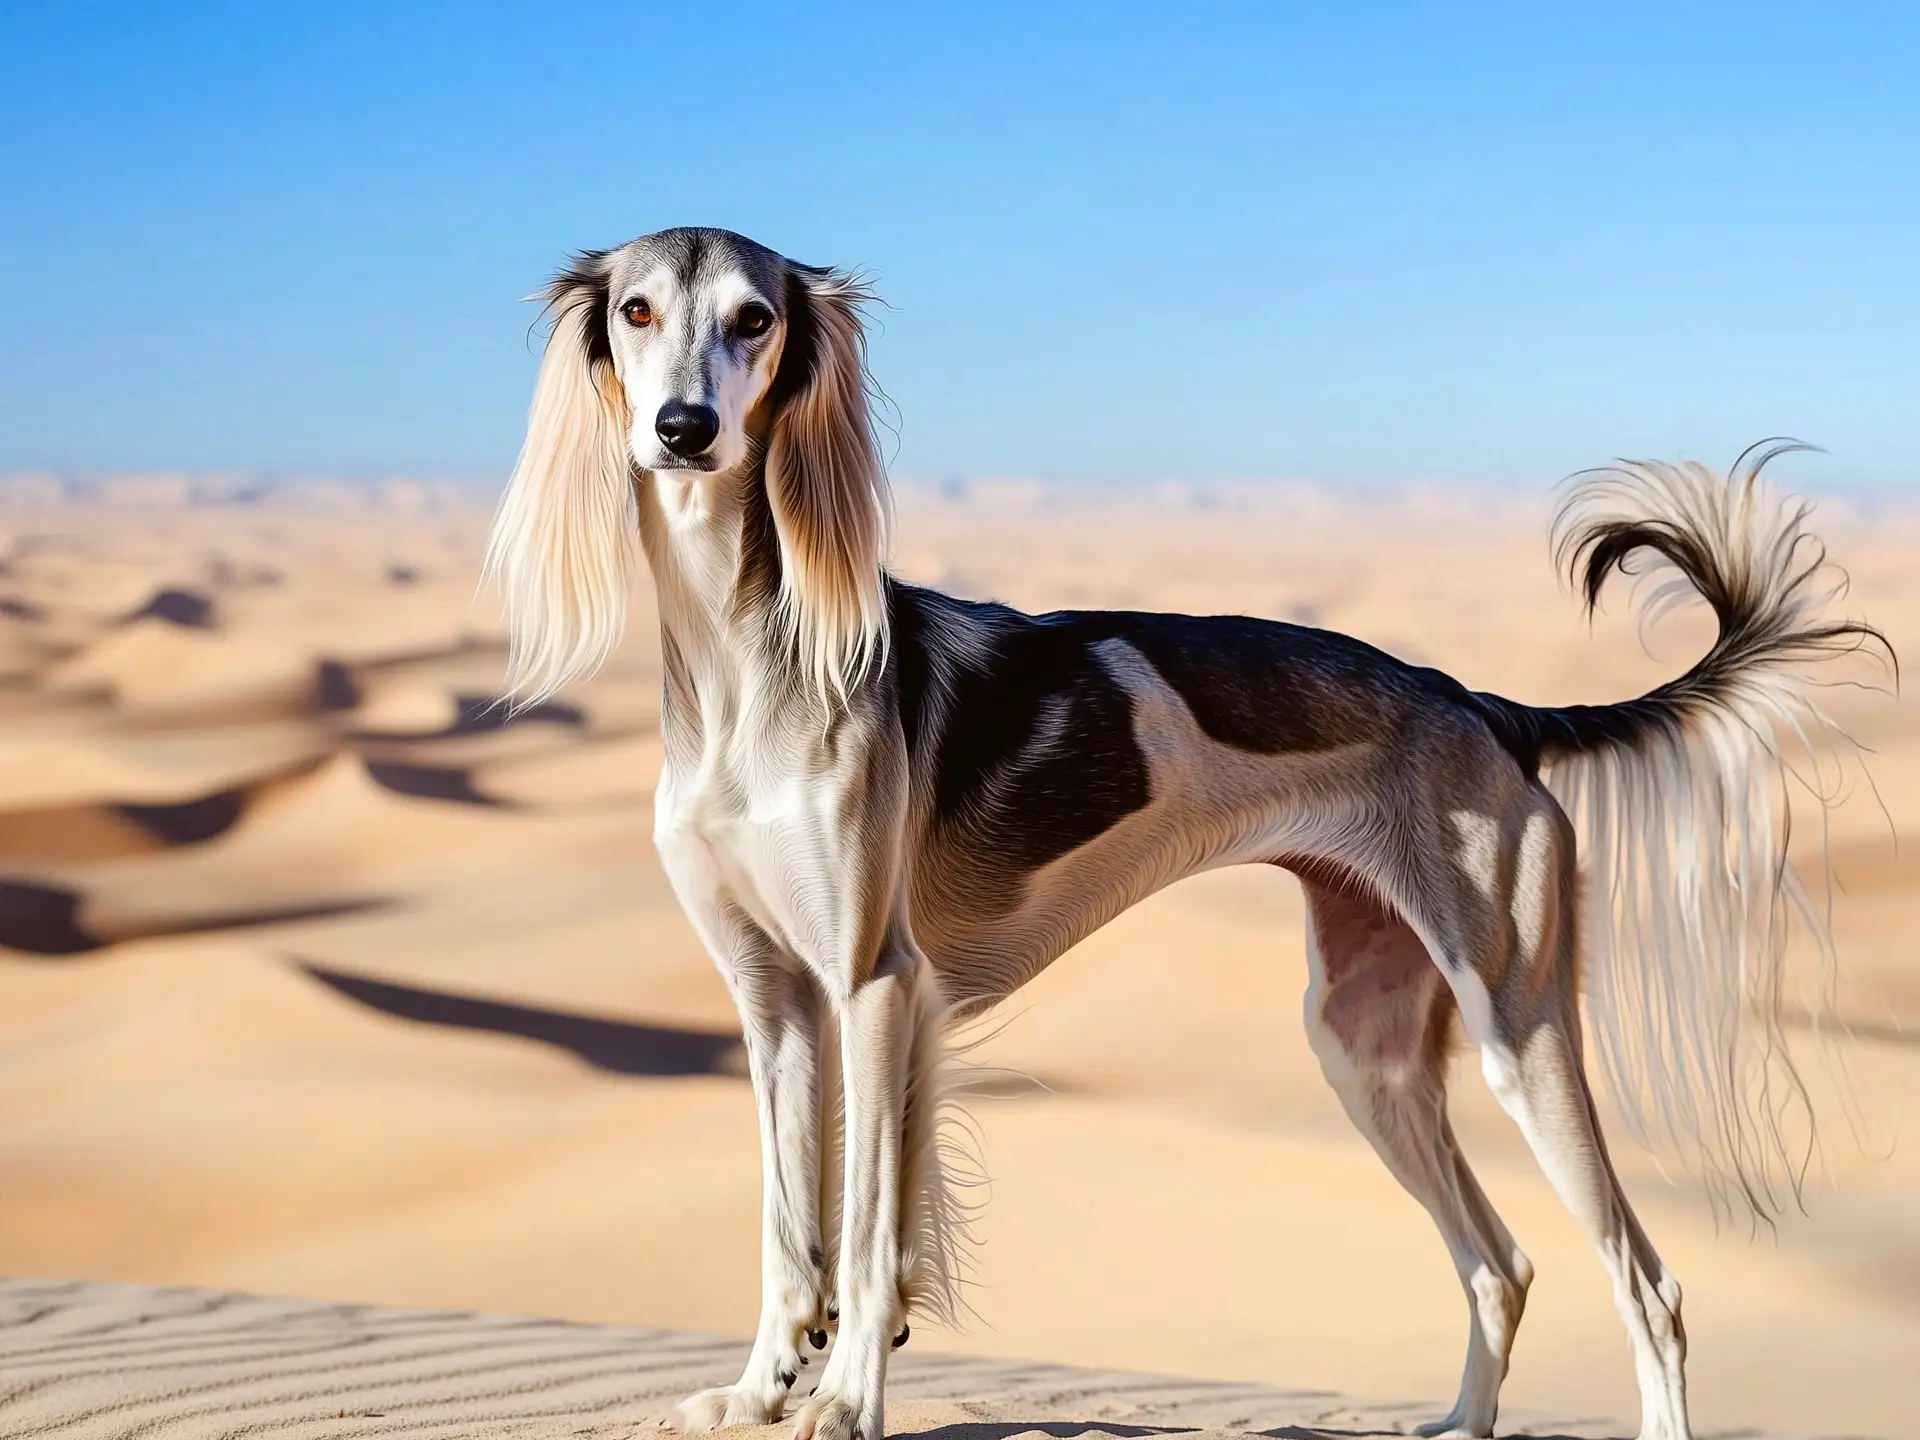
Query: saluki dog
{"type": "Point", "coordinates": [885, 808]}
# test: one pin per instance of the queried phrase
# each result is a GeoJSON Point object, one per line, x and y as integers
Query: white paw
{"type": "Point", "coordinates": [1454, 1428]}
{"type": "Point", "coordinates": [828, 1417]}
{"type": "Point", "coordinates": [728, 1405]}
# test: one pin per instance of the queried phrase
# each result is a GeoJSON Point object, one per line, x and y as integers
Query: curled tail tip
{"type": "Point", "coordinates": [1739, 544]}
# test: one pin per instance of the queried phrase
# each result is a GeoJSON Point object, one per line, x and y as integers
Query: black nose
{"type": "Point", "coordinates": [685, 429]}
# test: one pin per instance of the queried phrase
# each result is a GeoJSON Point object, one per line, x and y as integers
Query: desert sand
{"type": "Point", "coordinates": [320, 980]}
{"type": "Point", "coordinates": [86, 1359]}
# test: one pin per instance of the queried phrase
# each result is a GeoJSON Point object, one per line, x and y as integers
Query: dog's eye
{"type": "Point", "coordinates": [638, 313]}
{"type": "Point", "coordinates": [753, 320]}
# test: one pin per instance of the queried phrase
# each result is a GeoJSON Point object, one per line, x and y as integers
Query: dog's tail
{"type": "Point", "coordinates": [1683, 802]}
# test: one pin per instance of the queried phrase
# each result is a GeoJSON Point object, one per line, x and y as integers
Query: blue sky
{"type": "Point", "coordinates": [1358, 243]}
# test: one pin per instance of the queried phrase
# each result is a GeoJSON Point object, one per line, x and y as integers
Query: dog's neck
{"type": "Point", "coordinates": [710, 543]}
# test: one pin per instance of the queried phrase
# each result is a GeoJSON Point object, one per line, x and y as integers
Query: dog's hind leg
{"type": "Point", "coordinates": [1378, 1015]}
{"type": "Point", "coordinates": [1516, 978]}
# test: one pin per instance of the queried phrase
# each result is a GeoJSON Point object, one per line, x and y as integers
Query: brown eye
{"type": "Point", "coordinates": [638, 313]}
{"type": "Point", "coordinates": [753, 320]}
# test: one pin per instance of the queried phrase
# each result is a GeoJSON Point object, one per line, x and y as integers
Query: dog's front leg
{"type": "Point", "coordinates": [875, 1036]}
{"type": "Point", "coordinates": [782, 1016]}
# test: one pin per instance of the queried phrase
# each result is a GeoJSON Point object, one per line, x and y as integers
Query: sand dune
{"type": "Point", "coordinates": [323, 976]}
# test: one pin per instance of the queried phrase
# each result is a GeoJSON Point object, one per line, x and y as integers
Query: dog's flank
{"type": "Point", "coordinates": [885, 809]}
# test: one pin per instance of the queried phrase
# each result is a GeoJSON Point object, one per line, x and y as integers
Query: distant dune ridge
{"type": "Point", "coordinates": [321, 976]}
{"type": "Point", "coordinates": [161, 489]}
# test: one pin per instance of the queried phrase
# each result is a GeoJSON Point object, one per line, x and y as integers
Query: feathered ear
{"type": "Point", "coordinates": [826, 486]}
{"type": "Point", "coordinates": [565, 540]}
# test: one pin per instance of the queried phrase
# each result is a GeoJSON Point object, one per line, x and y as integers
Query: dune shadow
{"type": "Point", "coordinates": [40, 919]}
{"type": "Point", "coordinates": [337, 688]}
{"type": "Point", "coordinates": [618, 1047]}
{"type": "Point", "coordinates": [334, 687]}
{"type": "Point", "coordinates": [65, 834]}
{"type": "Point", "coordinates": [479, 714]}
{"type": "Point", "coordinates": [187, 822]}
{"type": "Point", "coordinates": [429, 782]}
{"type": "Point", "coordinates": [188, 609]}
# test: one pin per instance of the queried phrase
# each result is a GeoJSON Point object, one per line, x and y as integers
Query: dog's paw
{"type": "Point", "coordinates": [1454, 1427]}
{"type": "Point", "coordinates": [828, 1417]}
{"type": "Point", "coordinates": [727, 1405]}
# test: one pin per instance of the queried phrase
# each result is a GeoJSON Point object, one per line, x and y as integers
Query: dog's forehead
{"type": "Point", "coordinates": [714, 263]}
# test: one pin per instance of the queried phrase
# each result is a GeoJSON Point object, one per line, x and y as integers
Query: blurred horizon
{"type": "Point", "coordinates": [1373, 246]}
{"type": "Point", "coordinates": [1810, 473]}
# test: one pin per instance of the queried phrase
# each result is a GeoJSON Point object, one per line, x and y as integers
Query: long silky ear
{"type": "Point", "coordinates": [827, 488]}
{"type": "Point", "coordinates": [565, 539]}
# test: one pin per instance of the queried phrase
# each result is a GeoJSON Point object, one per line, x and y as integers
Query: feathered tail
{"type": "Point", "coordinates": [1683, 803]}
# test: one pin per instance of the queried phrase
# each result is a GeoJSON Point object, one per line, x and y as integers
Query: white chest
{"type": "Point", "coordinates": [738, 831]}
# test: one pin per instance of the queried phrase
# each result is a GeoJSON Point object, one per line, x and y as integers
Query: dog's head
{"type": "Point", "coordinates": [691, 354]}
